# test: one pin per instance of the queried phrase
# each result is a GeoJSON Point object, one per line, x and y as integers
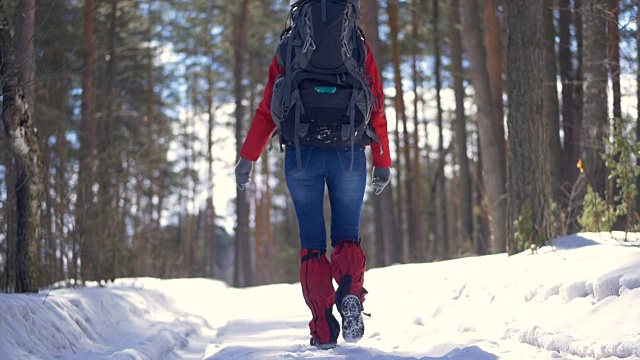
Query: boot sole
{"type": "Point", "coordinates": [352, 324]}
{"type": "Point", "coordinates": [326, 346]}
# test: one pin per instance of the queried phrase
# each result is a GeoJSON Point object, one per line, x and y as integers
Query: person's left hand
{"type": "Point", "coordinates": [243, 171]}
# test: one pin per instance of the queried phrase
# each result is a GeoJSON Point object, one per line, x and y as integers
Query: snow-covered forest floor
{"type": "Point", "coordinates": [577, 300]}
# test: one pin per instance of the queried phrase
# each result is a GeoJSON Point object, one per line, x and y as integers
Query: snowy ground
{"type": "Point", "coordinates": [580, 301]}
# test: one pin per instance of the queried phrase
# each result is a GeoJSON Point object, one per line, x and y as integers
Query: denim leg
{"type": "Point", "coordinates": [346, 185]}
{"type": "Point", "coordinates": [306, 186]}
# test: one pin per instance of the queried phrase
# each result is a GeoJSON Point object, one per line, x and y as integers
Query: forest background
{"type": "Point", "coordinates": [511, 123]}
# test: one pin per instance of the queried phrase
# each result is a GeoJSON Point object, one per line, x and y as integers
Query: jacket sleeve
{"type": "Point", "coordinates": [262, 126]}
{"type": "Point", "coordinates": [380, 152]}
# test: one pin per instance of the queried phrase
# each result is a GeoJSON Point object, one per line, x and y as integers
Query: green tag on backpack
{"type": "Point", "coordinates": [326, 89]}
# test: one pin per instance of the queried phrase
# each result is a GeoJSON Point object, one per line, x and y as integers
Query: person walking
{"type": "Point", "coordinates": [324, 101]}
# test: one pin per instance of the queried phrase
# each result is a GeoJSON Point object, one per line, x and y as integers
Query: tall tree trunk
{"type": "Point", "coordinates": [10, 216]}
{"type": "Point", "coordinates": [386, 225]}
{"type": "Point", "coordinates": [210, 225]}
{"type": "Point", "coordinates": [578, 91]}
{"type": "Point", "coordinates": [614, 69]}
{"type": "Point", "coordinates": [529, 191]}
{"type": "Point", "coordinates": [152, 161]}
{"type": "Point", "coordinates": [23, 138]}
{"type": "Point", "coordinates": [61, 204]}
{"type": "Point", "coordinates": [551, 103]}
{"type": "Point", "coordinates": [242, 275]}
{"type": "Point", "coordinates": [595, 121]}
{"type": "Point", "coordinates": [460, 126]}
{"type": "Point", "coordinates": [371, 26]}
{"type": "Point", "coordinates": [614, 55]}
{"type": "Point", "coordinates": [27, 247]}
{"type": "Point", "coordinates": [85, 207]}
{"type": "Point", "coordinates": [490, 147]}
{"type": "Point", "coordinates": [569, 77]}
{"type": "Point", "coordinates": [483, 236]}
{"type": "Point", "coordinates": [418, 219]}
{"type": "Point", "coordinates": [107, 203]}
{"type": "Point", "coordinates": [638, 100]}
{"type": "Point", "coordinates": [442, 234]}
{"type": "Point", "coordinates": [495, 65]}
{"type": "Point", "coordinates": [405, 218]}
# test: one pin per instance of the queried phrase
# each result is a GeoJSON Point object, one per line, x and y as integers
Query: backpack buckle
{"type": "Point", "coordinates": [308, 44]}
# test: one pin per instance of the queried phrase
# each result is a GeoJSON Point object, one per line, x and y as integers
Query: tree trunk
{"type": "Point", "coordinates": [460, 126]}
{"type": "Point", "coordinates": [85, 207]}
{"type": "Point", "coordinates": [61, 204]}
{"type": "Point", "coordinates": [405, 197]}
{"type": "Point", "coordinates": [529, 166]}
{"type": "Point", "coordinates": [442, 234]}
{"type": "Point", "coordinates": [106, 206]}
{"type": "Point", "coordinates": [495, 65]}
{"type": "Point", "coordinates": [417, 203]}
{"type": "Point", "coordinates": [385, 223]}
{"type": "Point", "coordinates": [569, 77]}
{"type": "Point", "coordinates": [614, 55]}
{"type": "Point", "coordinates": [23, 138]}
{"type": "Point", "coordinates": [153, 161]}
{"type": "Point", "coordinates": [490, 147]}
{"type": "Point", "coordinates": [210, 233]}
{"type": "Point", "coordinates": [613, 50]}
{"type": "Point", "coordinates": [638, 100]}
{"type": "Point", "coordinates": [10, 216]}
{"type": "Point", "coordinates": [243, 275]}
{"type": "Point", "coordinates": [595, 121]}
{"type": "Point", "coordinates": [371, 26]}
{"type": "Point", "coordinates": [578, 95]}
{"type": "Point", "coordinates": [551, 103]}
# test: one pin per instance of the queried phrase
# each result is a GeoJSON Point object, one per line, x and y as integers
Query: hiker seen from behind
{"type": "Point", "coordinates": [323, 105]}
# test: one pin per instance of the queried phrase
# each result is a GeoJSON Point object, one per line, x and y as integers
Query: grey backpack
{"type": "Point", "coordinates": [323, 97]}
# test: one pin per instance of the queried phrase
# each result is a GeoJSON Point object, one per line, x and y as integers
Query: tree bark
{"type": "Point", "coordinates": [568, 76]}
{"type": "Point", "coordinates": [417, 202]}
{"type": "Point", "coordinates": [385, 223]}
{"type": "Point", "coordinates": [243, 273]}
{"type": "Point", "coordinates": [595, 121]}
{"type": "Point", "coordinates": [638, 100]}
{"type": "Point", "coordinates": [62, 150]}
{"type": "Point", "coordinates": [109, 242]}
{"type": "Point", "coordinates": [551, 103]}
{"type": "Point", "coordinates": [85, 207]}
{"type": "Point", "coordinates": [614, 56]}
{"type": "Point", "coordinates": [460, 126]}
{"type": "Point", "coordinates": [613, 50]}
{"type": "Point", "coordinates": [442, 234]}
{"type": "Point", "coordinates": [210, 226]}
{"type": "Point", "coordinates": [495, 64]}
{"type": "Point", "coordinates": [151, 166]}
{"type": "Point", "coordinates": [490, 147]}
{"type": "Point", "coordinates": [405, 197]}
{"type": "Point", "coordinates": [23, 138]}
{"type": "Point", "coordinates": [529, 166]}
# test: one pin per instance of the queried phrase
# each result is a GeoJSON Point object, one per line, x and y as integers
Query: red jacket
{"type": "Point", "coordinates": [263, 126]}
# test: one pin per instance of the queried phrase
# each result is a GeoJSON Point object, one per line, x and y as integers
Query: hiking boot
{"type": "Point", "coordinates": [348, 264]}
{"type": "Point", "coordinates": [352, 325]}
{"type": "Point", "coordinates": [323, 346]}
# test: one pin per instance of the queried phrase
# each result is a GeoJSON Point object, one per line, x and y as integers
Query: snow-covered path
{"type": "Point", "coordinates": [581, 301]}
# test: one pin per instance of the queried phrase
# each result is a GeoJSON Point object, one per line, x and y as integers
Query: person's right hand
{"type": "Point", "coordinates": [381, 177]}
{"type": "Point", "coordinates": [243, 171]}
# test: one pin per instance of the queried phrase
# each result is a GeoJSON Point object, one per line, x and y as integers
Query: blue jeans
{"type": "Point", "coordinates": [346, 186]}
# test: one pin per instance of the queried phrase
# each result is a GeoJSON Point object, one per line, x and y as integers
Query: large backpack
{"type": "Point", "coordinates": [323, 97]}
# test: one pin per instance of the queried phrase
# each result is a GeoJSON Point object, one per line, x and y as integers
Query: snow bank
{"type": "Point", "coordinates": [576, 300]}
{"type": "Point", "coordinates": [92, 323]}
